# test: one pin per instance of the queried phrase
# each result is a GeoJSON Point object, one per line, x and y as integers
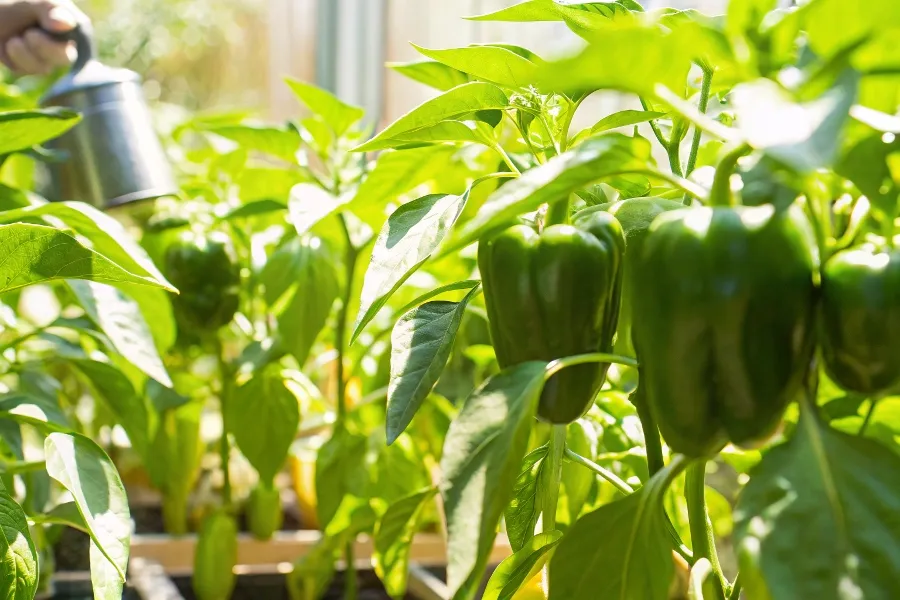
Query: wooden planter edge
{"type": "Point", "coordinates": [175, 554]}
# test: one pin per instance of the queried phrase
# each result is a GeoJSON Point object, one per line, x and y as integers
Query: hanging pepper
{"type": "Point", "coordinates": [555, 294]}
{"type": "Point", "coordinates": [723, 322]}
{"type": "Point", "coordinates": [215, 557]}
{"type": "Point", "coordinates": [861, 319]}
{"type": "Point", "coordinates": [203, 267]}
{"type": "Point", "coordinates": [264, 513]}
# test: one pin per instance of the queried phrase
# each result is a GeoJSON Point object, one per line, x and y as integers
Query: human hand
{"type": "Point", "coordinates": [25, 46]}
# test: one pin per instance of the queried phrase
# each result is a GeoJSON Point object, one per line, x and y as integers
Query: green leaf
{"type": "Point", "coordinates": [156, 309]}
{"type": "Point", "coordinates": [66, 514]}
{"type": "Point", "coordinates": [120, 318]}
{"type": "Point", "coordinates": [281, 142]}
{"type": "Point", "coordinates": [339, 115]}
{"type": "Point", "coordinates": [451, 131]}
{"type": "Point", "coordinates": [610, 552]}
{"type": "Point", "coordinates": [40, 412]}
{"type": "Point", "coordinates": [421, 342]}
{"type": "Point", "coordinates": [802, 135]}
{"type": "Point", "coordinates": [452, 105]}
{"type": "Point", "coordinates": [263, 416]}
{"type": "Point", "coordinates": [522, 513]}
{"type": "Point", "coordinates": [523, 12]}
{"type": "Point", "coordinates": [833, 491]}
{"type": "Point", "coordinates": [865, 164]}
{"type": "Point", "coordinates": [482, 453]}
{"type": "Point", "coordinates": [406, 241]}
{"type": "Point", "coordinates": [255, 208]}
{"type": "Point", "coordinates": [39, 254]}
{"type": "Point", "coordinates": [467, 284]}
{"type": "Point", "coordinates": [89, 475]}
{"type": "Point", "coordinates": [598, 158]}
{"type": "Point", "coordinates": [19, 573]}
{"type": "Point", "coordinates": [132, 410]}
{"type": "Point", "coordinates": [494, 64]}
{"type": "Point", "coordinates": [581, 438]}
{"type": "Point", "coordinates": [21, 129]}
{"type": "Point", "coordinates": [309, 204]}
{"type": "Point", "coordinates": [301, 286]}
{"type": "Point", "coordinates": [106, 236]}
{"type": "Point", "coordinates": [393, 540]}
{"type": "Point", "coordinates": [396, 173]}
{"type": "Point", "coordinates": [515, 570]}
{"type": "Point", "coordinates": [623, 118]}
{"type": "Point", "coordinates": [644, 57]}
{"type": "Point", "coordinates": [431, 73]}
{"type": "Point", "coordinates": [340, 471]}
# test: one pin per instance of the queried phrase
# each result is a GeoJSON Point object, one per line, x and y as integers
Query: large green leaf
{"type": "Point", "coordinates": [421, 342]}
{"type": "Point", "coordinates": [19, 570]}
{"type": "Point", "coordinates": [156, 308]}
{"type": "Point", "coordinates": [802, 135]}
{"type": "Point", "coordinates": [396, 173]}
{"type": "Point", "coordinates": [494, 64]}
{"type": "Point", "coordinates": [453, 104]}
{"type": "Point", "coordinates": [621, 550]}
{"type": "Point", "coordinates": [38, 254]}
{"type": "Point", "coordinates": [301, 285]}
{"type": "Point", "coordinates": [598, 158]}
{"type": "Point", "coordinates": [482, 454]}
{"type": "Point", "coordinates": [22, 129]}
{"type": "Point", "coordinates": [263, 416]}
{"type": "Point", "coordinates": [834, 494]}
{"type": "Point", "coordinates": [339, 115]}
{"type": "Point", "coordinates": [431, 73]}
{"type": "Point", "coordinates": [393, 540]}
{"type": "Point", "coordinates": [309, 204]}
{"type": "Point", "coordinates": [340, 472]}
{"type": "Point", "coordinates": [104, 234]}
{"type": "Point", "coordinates": [89, 475]}
{"type": "Point", "coordinates": [644, 57]}
{"type": "Point", "coordinates": [40, 412]}
{"type": "Point", "coordinates": [132, 410]}
{"type": "Point", "coordinates": [120, 318]}
{"type": "Point", "coordinates": [406, 241]}
{"type": "Point", "coordinates": [510, 574]}
{"type": "Point", "coordinates": [521, 516]}
{"type": "Point", "coordinates": [281, 142]}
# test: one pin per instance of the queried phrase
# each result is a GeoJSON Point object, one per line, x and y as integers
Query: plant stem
{"type": "Point", "coordinates": [558, 212]}
{"type": "Point", "coordinates": [564, 136]}
{"type": "Point", "coordinates": [656, 132]}
{"type": "Point", "coordinates": [554, 468]}
{"type": "Point", "coordinates": [616, 481]}
{"type": "Point", "coordinates": [873, 402]}
{"type": "Point", "coordinates": [673, 151]}
{"type": "Point", "coordinates": [506, 159]}
{"type": "Point", "coordinates": [685, 185]}
{"type": "Point", "coordinates": [558, 365]}
{"type": "Point", "coordinates": [224, 445]}
{"type": "Point", "coordinates": [702, 106]}
{"type": "Point", "coordinates": [551, 484]}
{"type": "Point", "coordinates": [652, 441]}
{"type": "Point", "coordinates": [735, 592]}
{"type": "Point", "coordinates": [350, 259]}
{"type": "Point", "coordinates": [340, 334]}
{"type": "Point", "coordinates": [720, 194]}
{"type": "Point", "coordinates": [702, 537]}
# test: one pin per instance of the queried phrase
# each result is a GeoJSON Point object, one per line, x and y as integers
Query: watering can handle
{"type": "Point", "coordinates": [82, 34]}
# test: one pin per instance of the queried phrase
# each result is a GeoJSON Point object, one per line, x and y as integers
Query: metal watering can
{"type": "Point", "coordinates": [112, 157]}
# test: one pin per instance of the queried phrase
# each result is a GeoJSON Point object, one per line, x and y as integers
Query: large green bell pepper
{"type": "Point", "coordinates": [724, 322]}
{"type": "Point", "coordinates": [861, 319]}
{"type": "Point", "coordinates": [204, 268]}
{"type": "Point", "coordinates": [555, 294]}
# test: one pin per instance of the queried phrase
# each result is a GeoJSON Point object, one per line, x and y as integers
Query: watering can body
{"type": "Point", "coordinates": [112, 156]}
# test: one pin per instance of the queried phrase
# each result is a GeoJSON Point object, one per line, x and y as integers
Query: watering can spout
{"type": "Point", "coordinates": [113, 156]}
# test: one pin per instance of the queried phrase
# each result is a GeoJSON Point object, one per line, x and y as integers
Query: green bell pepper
{"type": "Point", "coordinates": [861, 319]}
{"type": "Point", "coordinates": [725, 299]}
{"type": "Point", "coordinates": [555, 294]}
{"type": "Point", "coordinates": [204, 268]}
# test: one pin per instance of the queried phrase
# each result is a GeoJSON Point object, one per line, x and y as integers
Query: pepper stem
{"type": "Point", "coordinates": [720, 194]}
{"type": "Point", "coordinates": [558, 212]}
{"type": "Point", "coordinates": [702, 538]}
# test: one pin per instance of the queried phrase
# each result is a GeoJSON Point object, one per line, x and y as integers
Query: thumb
{"type": "Point", "coordinates": [58, 19]}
